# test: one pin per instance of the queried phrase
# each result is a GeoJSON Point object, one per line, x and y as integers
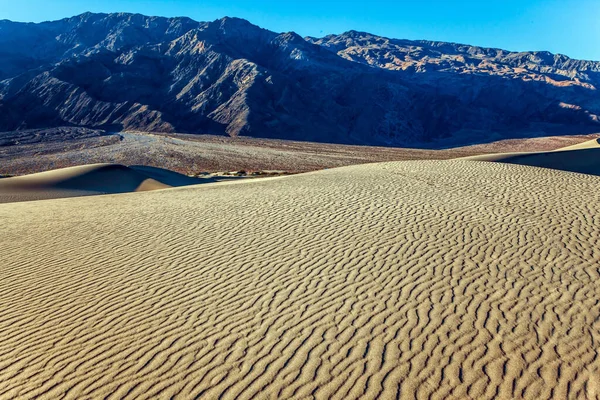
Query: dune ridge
{"type": "Point", "coordinates": [583, 158]}
{"type": "Point", "coordinates": [88, 180]}
{"type": "Point", "coordinates": [427, 279]}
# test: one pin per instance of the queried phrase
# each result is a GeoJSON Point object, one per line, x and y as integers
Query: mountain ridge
{"type": "Point", "coordinates": [230, 77]}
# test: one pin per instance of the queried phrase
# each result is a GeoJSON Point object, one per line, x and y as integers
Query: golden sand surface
{"type": "Point", "coordinates": [581, 157]}
{"type": "Point", "coordinates": [418, 279]}
{"type": "Point", "coordinates": [87, 180]}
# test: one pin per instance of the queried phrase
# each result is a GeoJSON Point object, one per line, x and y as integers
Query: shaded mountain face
{"type": "Point", "coordinates": [129, 71]}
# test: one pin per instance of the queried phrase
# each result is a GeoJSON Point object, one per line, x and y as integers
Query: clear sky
{"type": "Point", "coordinates": [570, 27]}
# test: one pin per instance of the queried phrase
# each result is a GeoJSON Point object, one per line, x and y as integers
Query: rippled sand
{"type": "Point", "coordinates": [432, 279]}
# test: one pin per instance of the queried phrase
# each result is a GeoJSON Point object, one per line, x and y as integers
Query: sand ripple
{"type": "Point", "coordinates": [429, 280]}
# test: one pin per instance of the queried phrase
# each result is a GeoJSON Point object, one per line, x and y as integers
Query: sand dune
{"type": "Point", "coordinates": [583, 158]}
{"type": "Point", "coordinates": [588, 144]}
{"type": "Point", "coordinates": [89, 180]}
{"type": "Point", "coordinates": [428, 280]}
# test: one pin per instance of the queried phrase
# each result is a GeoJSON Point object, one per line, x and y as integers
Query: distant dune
{"type": "Point", "coordinates": [425, 279]}
{"type": "Point", "coordinates": [583, 158]}
{"type": "Point", "coordinates": [88, 180]}
{"type": "Point", "coordinates": [588, 144]}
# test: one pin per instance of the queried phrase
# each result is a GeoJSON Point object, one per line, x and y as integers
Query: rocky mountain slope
{"type": "Point", "coordinates": [129, 71]}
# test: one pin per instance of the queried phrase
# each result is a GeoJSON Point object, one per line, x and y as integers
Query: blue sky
{"type": "Point", "coordinates": [570, 27]}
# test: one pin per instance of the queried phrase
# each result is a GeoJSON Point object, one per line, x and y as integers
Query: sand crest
{"type": "Point", "coordinates": [583, 158]}
{"type": "Point", "coordinates": [89, 180]}
{"type": "Point", "coordinates": [427, 280]}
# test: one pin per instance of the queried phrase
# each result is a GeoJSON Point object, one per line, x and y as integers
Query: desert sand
{"type": "Point", "coordinates": [418, 279]}
{"type": "Point", "coordinates": [582, 157]}
{"type": "Point", "coordinates": [86, 180]}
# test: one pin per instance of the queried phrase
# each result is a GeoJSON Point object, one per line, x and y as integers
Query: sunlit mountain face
{"type": "Point", "coordinates": [229, 77]}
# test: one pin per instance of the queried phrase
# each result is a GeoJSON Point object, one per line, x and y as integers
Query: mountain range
{"type": "Point", "coordinates": [229, 77]}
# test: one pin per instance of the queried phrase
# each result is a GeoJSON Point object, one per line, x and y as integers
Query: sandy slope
{"type": "Point", "coordinates": [428, 279]}
{"type": "Point", "coordinates": [588, 144]}
{"type": "Point", "coordinates": [582, 157]}
{"type": "Point", "coordinates": [89, 180]}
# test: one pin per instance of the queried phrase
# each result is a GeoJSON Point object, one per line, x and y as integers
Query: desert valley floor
{"type": "Point", "coordinates": [415, 279]}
